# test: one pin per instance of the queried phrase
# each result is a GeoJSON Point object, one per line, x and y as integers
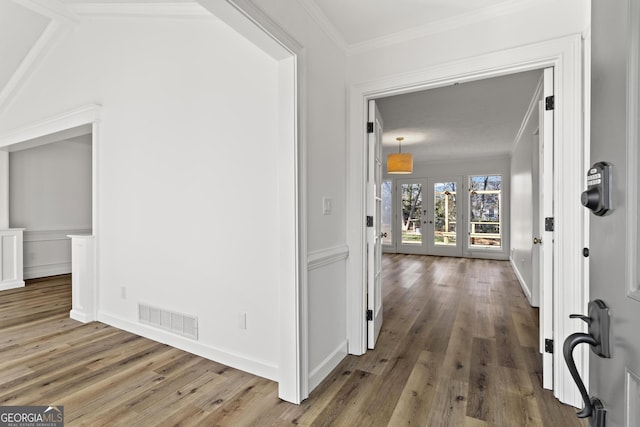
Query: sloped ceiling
{"type": "Point", "coordinates": [460, 120]}
{"type": "Point", "coordinates": [20, 29]}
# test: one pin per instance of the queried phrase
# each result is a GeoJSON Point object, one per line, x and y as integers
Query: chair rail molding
{"type": "Point", "coordinates": [323, 257]}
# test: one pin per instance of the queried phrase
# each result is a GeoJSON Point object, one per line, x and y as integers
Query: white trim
{"type": "Point", "coordinates": [631, 398]}
{"type": "Point", "coordinates": [327, 365]}
{"type": "Point", "coordinates": [52, 9]}
{"type": "Point", "coordinates": [564, 54]}
{"type": "Point", "coordinates": [46, 270]}
{"type": "Point", "coordinates": [45, 235]}
{"type": "Point", "coordinates": [12, 285]}
{"type": "Point", "coordinates": [324, 23]}
{"type": "Point", "coordinates": [448, 24]}
{"type": "Point", "coordinates": [250, 21]}
{"type": "Point", "coordinates": [238, 361]}
{"type": "Point", "coordinates": [141, 10]}
{"type": "Point", "coordinates": [326, 257]}
{"type": "Point", "coordinates": [633, 154]}
{"type": "Point", "coordinates": [52, 33]}
{"type": "Point", "coordinates": [84, 115]}
{"type": "Point", "coordinates": [533, 109]}
{"type": "Point", "coordinates": [523, 283]}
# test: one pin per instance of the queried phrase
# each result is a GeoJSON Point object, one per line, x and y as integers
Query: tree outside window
{"type": "Point", "coordinates": [484, 206]}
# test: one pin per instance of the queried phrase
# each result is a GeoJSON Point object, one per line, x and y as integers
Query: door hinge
{"type": "Point", "coordinates": [370, 127]}
{"type": "Point", "coordinates": [550, 103]}
{"type": "Point", "coordinates": [548, 346]}
{"type": "Point", "coordinates": [549, 224]}
{"type": "Point", "coordinates": [369, 315]}
{"type": "Point", "coordinates": [369, 221]}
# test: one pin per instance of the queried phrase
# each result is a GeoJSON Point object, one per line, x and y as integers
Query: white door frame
{"type": "Point", "coordinates": [565, 55]}
{"type": "Point", "coordinates": [256, 26]}
{"type": "Point", "coordinates": [250, 21]}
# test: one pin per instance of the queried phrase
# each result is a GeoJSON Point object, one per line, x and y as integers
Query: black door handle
{"type": "Point", "coordinates": [567, 350]}
{"type": "Point", "coordinates": [598, 339]}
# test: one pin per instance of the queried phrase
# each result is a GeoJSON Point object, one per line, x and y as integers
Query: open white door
{"type": "Point", "coordinates": [374, 238]}
{"type": "Point", "coordinates": [546, 230]}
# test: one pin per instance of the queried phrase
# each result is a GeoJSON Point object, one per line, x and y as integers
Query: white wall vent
{"type": "Point", "coordinates": [181, 324]}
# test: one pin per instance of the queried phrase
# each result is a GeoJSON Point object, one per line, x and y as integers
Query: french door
{"type": "Point", "coordinates": [430, 220]}
{"type": "Point", "coordinates": [445, 229]}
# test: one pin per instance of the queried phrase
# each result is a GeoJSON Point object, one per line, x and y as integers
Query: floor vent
{"type": "Point", "coordinates": [180, 324]}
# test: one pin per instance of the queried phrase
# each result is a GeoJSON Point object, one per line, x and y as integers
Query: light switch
{"type": "Point", "coordinates": [327, 207]}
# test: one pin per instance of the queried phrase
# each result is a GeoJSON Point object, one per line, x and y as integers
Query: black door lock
{"type": "Point", "coordinates": [597, 196]}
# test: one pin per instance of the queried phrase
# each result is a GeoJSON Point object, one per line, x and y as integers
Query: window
{"type": "Point", "coordinates": [387, 213]}
{"type": "Point", "coordinates": [484, 206]}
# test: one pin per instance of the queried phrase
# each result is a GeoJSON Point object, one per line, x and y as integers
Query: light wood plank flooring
{"type": "Point", "coordinates": [458, 348]}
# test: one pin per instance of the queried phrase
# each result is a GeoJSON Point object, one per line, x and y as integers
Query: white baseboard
{"type": "Point", "coordinates": [240, 362]}
{"type": "Point", "coordinates": [325, 367]}
{"type": "Point", "coordinates": [523, 284]}
{"type": "Point", "coordinates": [36, 271]}
{"type": "Point", "coordinates": [12, 285]}
{"type": "Point", "coordinates": [80, 316]}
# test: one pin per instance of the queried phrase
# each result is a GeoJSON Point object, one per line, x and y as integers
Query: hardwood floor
{"type": "Point", "coordinates": [457, 348]}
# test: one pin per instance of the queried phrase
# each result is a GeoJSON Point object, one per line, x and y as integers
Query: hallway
{"type": "Point", "coordinates": [457, 348]}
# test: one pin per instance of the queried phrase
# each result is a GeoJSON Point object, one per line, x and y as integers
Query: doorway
{"type": "Point", "coordinates": [429, 220]}
{"type": "Point", "coordinates": [562, 54]}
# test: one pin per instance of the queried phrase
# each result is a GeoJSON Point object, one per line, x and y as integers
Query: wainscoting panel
{"type": "Point", "coordinates": [11, 259]}
{"type": "Point", "coordinates": [48, 252]}
{"type": "Point", "coordinates": [327, 327]}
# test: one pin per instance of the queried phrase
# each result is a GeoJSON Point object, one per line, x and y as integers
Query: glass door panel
{"type": "Point", "coordinates": [386, 226]}
{"type": "Point", "coordinates": [410, 225]}
{"type": "Point", "coordinates": [445, 213]}
{"type": "Point", "coordinates": [411, 213]}
{"type": "Point", "coordinates": [444, 216]}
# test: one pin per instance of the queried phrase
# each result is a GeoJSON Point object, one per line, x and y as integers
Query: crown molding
{"type": "Point", "coordinates": [325, 24]}
{"type": "Point", "coordinates": [476, 16]}
{"type": "Point", "coordinates": [140, 10]}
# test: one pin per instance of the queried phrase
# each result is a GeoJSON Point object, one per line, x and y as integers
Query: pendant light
{"type": "Point", "coordinates": [400, 163]}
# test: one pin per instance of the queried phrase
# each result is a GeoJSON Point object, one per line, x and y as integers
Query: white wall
{"type": "Point", "coordinates": [50, 196]}
{"type": "Point", "coordinates": [524, 199]}
{"type": "Point", "coordinates": [187, 170]}
{"type": "Point", "coordinates": [465, 168]}
{"type": "Point", "coordinates": [324, 124]}
{"type": "Point", "coordinates": [181, 97]}
{"type": "Point", "coordinates": [543, 20]}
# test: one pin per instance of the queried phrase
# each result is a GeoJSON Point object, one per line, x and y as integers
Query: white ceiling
{"type": "Point", "coordinates": [474, 119]}
{"type": "Point", "coordinates": [358, 21]}
{"type": "Point", "coordinates": [20, 29]}
{"type": "Point", "coordinates": [464, 119]}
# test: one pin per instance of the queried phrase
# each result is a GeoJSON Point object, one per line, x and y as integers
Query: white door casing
{"type": "Point", "coordinates": [374, 238]}
{"type": "Point", "coordinates": [565, 56]}
{"type": "Point", "coordinates": [547, 235]}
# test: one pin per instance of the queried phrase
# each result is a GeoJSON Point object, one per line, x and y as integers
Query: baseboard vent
{"type": "Point", "coordinates": [178, 323]}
